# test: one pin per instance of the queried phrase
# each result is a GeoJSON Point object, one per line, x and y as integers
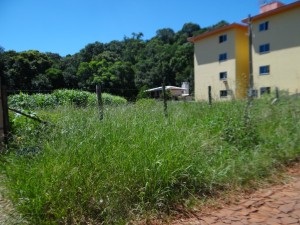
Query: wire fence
{"type": "Point", "coordinates": [48, 91]}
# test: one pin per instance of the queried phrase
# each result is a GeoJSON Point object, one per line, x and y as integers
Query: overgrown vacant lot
{"type": "Point", "coordinates": [135, 162]}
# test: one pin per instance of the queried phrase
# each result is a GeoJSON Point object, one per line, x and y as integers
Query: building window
{"type": "Point", "coordinates": [264, 70]}
{"type": "Point", "coordinates": [264, 26]}
{"type": "Point", "coordinates": [223, 93]}
{"type": "Point", "coordinates": [223, 76]}
{"type": "Point", "coordinates": [222, 38]}
{"type": "Point", "coordinates": [264, 48]}
{"type": "Point", "coordinates": [254, 93]}
{"type": "Point", "coordinates": [223, 57]}
{"type": "Point", "coordinates": [265, 90]}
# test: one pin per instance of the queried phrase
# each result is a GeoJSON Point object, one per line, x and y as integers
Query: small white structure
{"type": "Point", "coordinates": [175, 91]}
{"type": "Point", "coordinates": [186, 86]}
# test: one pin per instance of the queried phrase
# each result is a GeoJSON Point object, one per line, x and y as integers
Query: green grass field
{"type": "Point", "coordinates": [135, 162]}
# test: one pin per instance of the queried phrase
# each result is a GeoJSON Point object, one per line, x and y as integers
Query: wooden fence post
{"type": "Point", "coordinates": [99, 100]}
{"type": "Point", "coordinates": [4, 120]}
{"type": "Point", "coordinates": [165, 98]}
{"type": "Point", "coordinates": [209, 95]}
{"type": "Point", "coordinates": [277, 93]}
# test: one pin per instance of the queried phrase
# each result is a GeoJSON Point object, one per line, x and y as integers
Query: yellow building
{"type": "Point", "coordinates": [221, 61]}
{"type": "Point", "coordinates": [276, 47]}
{"type": "Point", "coordinates": [221, 57]}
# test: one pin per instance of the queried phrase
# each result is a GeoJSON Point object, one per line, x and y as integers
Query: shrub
{"type": "Point", "coordinates": [61, 97]}
{"type": "Point", "coordinates": [109, 99]}
{"type": "Point", "coordinates": [23, 101]}
{"type": "Point", "coordinates": [73, 97]}
{"type": "Point", "coordinates": [44, 100]}
{"type": "Point", "coordinates": [142, 93]}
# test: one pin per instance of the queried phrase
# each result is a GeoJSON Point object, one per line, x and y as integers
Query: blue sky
{"type": "Point", "coordinates": [66, 26]}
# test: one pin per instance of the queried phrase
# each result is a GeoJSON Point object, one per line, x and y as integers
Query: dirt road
{"type": "Point", "coordinates": [8, 215]}
{"type": "Point", "coordinates": [273, 205]}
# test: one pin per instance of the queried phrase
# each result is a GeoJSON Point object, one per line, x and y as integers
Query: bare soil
{"type": "Point", "coordinates": [8, 214]}
{"type": "Point", "coordinates": [271, 205]}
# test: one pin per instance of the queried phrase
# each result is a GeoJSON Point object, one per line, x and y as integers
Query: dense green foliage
{"type": "Point", "coordinates": [122, 67]}
{"type": "Point", "coordinates": [83, 170]}
{"type": "Point", "coordinates": [61, 97]}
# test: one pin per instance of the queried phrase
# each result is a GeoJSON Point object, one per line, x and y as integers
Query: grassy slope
{"type": "Point", "coordinates": [135, 160]}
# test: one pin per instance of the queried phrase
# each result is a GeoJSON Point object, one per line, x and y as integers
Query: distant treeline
{"type": "Point", "coordinates": [122, 67]}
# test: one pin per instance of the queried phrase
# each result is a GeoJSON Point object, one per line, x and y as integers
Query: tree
{"type": "Point", "coordinates": [85, 75]}
{"type": "Point", "coordinates": [22, 69]}
{"type": "Point", "coordinates": [218, 25]}
{"type": "Point", "coordinates": [90, 51]}
{"type": "Point", "coordinates": [182, 64]}
{"type": "Point", "coordinates": [108, 56]}
{"type": "Point", "coordinates": [69, 66]}
{"type": "Point", "coordinates": [56, 60]}
{"type": "Point", "coordinates": [41, 82]}
{"type": "Point", "coordinates": [55, 77]}
{"type": "Point", "coordinates": [190, 29]}
{"type": "Point", "coordinates": [146, 71]}
{"type": "Point", "coordinates": [124, 79]}
{"type": "Point", "coordinates": [166, 35]}
{"type": "Point", "coordinates": [122, 67]}
{"type": "Point", "coordinates": [95, 72]}
{"type": "Point", "coordinates": [115, 47]}
{"type": "Point", "coordinates": [132, 48]}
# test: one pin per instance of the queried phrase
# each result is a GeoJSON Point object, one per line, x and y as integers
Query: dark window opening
{"type": "Point", "coordinates": [223, 57]}
{"type": "Point", "coordinates": [223, 76]}
{"type": "Point", "coordinates": [222, 38]}
{"type": "Point", "coordinates": [264, 48]}
{"type": "Point", "coordinates": [264, 70]}
{"type": "Point", "coordinates": [265, 90]}
{"type": "Point", "coordinates": [223, 93]}
{"type": "Point", "coordinates": [264, 26]}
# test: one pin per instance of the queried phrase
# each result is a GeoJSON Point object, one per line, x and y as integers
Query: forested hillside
{"type": "Point", "coordinates": [122, 67]}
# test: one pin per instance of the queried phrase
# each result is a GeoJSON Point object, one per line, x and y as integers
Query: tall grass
{"type": "Point", "coordinates": [135, 160]}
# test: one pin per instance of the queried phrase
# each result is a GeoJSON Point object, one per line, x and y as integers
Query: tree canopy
{"type": "Point", "coordinates": [121, 67]}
